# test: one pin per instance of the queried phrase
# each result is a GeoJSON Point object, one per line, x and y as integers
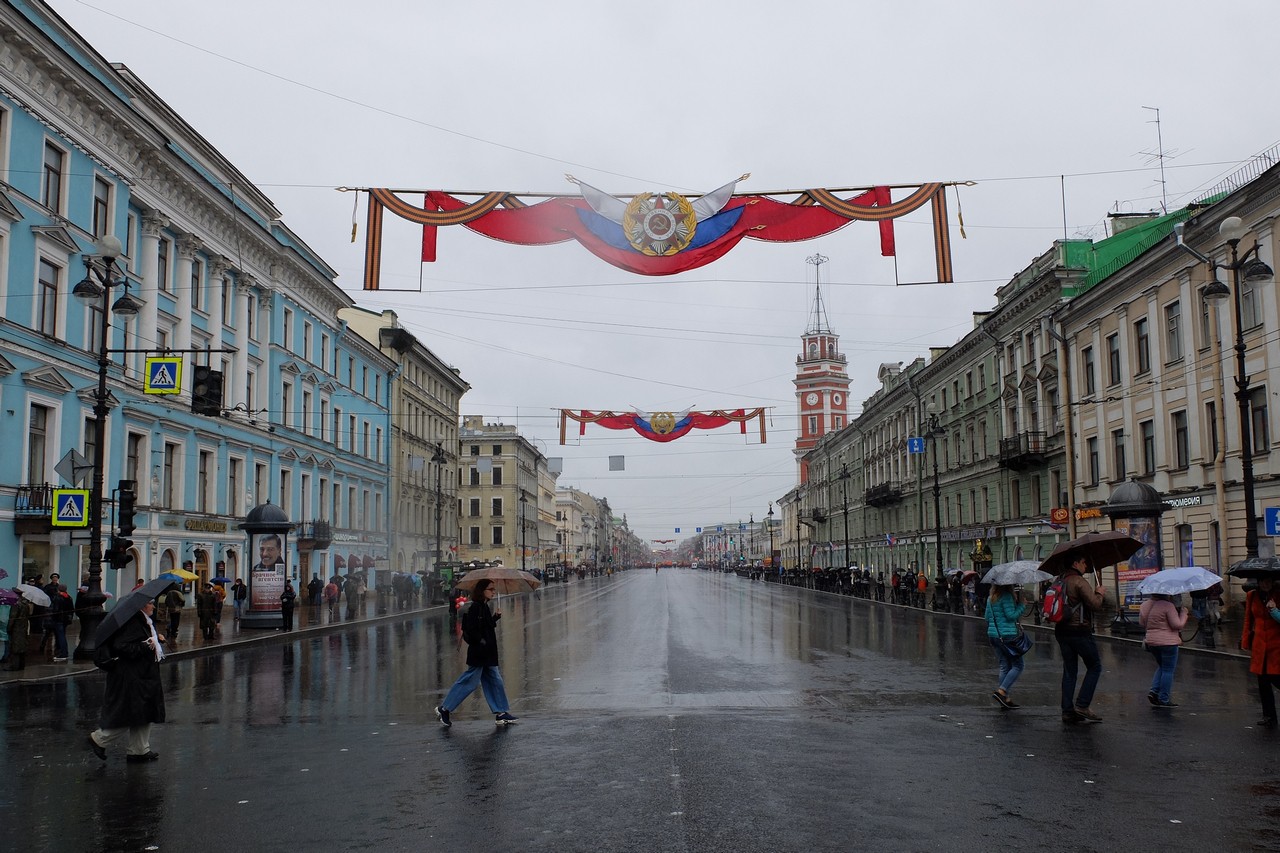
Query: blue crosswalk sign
{"type": "Point", "coordinates": [70, 508]}
{"type": "Point", "coordinates": [164, 375]}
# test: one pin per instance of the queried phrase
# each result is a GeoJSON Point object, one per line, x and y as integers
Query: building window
{"type": "Point", "coordinates": [1181, 446]}
{"type": "Point", "coordinates": [1148, 430]}
{"type": "Point", "coordinates": [1258, 420]}
{"type": "Point", "coordinates": [102, 206]}
{"type": "Point", "coordinates": [813, 424]}
{"type": "Point", "coordinates": [225, 300]}
{"type": "Point", "coordinates": [47, 302]}
{"type": "Point", "coordinates": [1113, 359]}
{"type": "Point", "coordinates": [1250, 309]}
{"type": "Point", "coordinates": [1089, 368]}
{"type": "Point", "coordinates": [1208, 331]}
{"type": "Point", "coordinates": [162, 265]}
{"type": "Point", "coordinates": [1186, 546]}
{"type": "Point", "coordinates": [1037, 498]}
{"type": "Point", "coordinates": [1142, 345]}
{"type": "Point", "coordinates": [475, 476]}
{"type": "Point", "coordinates": [497, 450]}
{"type": "Point", "coordinates": [474, 504]}
{"type": "Point", "coordinates": [55, 162]}
{"type": "Point", "coordinates": [233, 487]}
{"type": "Point", "coordinates": [171, 472]}
{"type": "Point", "coordinates": [197, 279]}
{"type": "Point", "coordinates": [474, 537]}
{"type": "Point", "coordinates": [1211, 425]}
{"type": "Point", "coordinates": [1173, 331]}
{"type": "Point", "coordinates": [497, 475]}
{"type": "Point", "coordinates": [286, 397]}
{"type": "Point", "coordinates": [306, 412]}
{"type": "Point", "coordinates": [982, 376]}
{"type": "Point", "coordinates": [37, 444]}
{"type": "Point", "coordinates": [496, 508]}
{"type": "Point", "coordinates": [202, 481]}
{"type": "Point", "coordinates": [497, 535]}
{"type": "Point", "coordinates": [1118, 462]}
{"type": "Point", "coordinates": [260, 483]}
{"type": "Point", "coordinates": [1095, 469]}
{"type": "Point", "coordinates": [306, 342]}
{"type": "Point", "coordinates": [133, 455]}
{"type": "Point", "coordinates": [1015, 498]}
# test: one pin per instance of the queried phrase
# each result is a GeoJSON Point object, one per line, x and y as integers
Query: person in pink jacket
{"type": "Point", "coordinates": [1163, 620]}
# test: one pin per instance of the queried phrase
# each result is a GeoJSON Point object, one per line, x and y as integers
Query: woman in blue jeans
{"type": "Point", "coordinates": [1163, 621]}
{"type": "Point", "coordinates": [1003, 612]}
{"type": "Point", "coordinates": [479, 630]}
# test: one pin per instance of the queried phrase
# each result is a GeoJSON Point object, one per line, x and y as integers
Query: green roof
{"type": "Point", "coordinates": [1105, 258]}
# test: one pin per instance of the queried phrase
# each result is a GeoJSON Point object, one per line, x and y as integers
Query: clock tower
{"type": "Point", "coordinates": [822, 379]}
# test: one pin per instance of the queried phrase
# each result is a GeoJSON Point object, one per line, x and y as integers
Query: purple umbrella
{"type": "Point", "coordinates": [8, 596]}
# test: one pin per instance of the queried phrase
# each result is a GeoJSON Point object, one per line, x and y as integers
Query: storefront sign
{"type": "Point", "coordinates": [1176, 503]}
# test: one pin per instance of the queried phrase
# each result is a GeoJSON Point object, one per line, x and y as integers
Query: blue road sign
{"type": "Point", "coordinates": [70, 508]}
{"type": "Point", "coordinates": [1273, 520]}
{"type": "Point", "coordinates": [164, 375]}
{"type": "Point", "coordinates": [915, 444]}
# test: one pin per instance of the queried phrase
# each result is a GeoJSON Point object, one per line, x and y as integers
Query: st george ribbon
{"type": "Point", "coordinates": [662, 426]}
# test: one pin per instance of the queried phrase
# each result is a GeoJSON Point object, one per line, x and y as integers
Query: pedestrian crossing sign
{"type": "Point", "coordinates": [70, 508]}
{"type": "Point", "coordinates": [164, 375]}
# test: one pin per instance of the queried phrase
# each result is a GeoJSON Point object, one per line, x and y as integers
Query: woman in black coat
{"type": "Point", "coordinates": [135, 697]}
{"type": "Point", "coordinates": [479, 630]}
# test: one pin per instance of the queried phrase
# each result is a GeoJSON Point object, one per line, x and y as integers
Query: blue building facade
{"type": "Point", "coordinates": [86, 150]}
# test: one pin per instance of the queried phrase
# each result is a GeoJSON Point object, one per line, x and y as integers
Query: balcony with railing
{"type": "Point", "coordinates": [884, 494]}
{"type": "Point", "coordinates": [1022, 451]}
{"type": "Point", "coordinates": [315, 533]}
{"type": "Point", "coordinates": [33, 509]}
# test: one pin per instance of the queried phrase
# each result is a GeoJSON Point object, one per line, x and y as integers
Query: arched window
{"type": "Point", "coordinates": [1186, 547]}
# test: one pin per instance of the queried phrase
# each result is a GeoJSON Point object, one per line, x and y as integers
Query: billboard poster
{"type": "Point", "coordinates": [1145, 562]}
{"type": "Point", "coordinates": [266, 577]}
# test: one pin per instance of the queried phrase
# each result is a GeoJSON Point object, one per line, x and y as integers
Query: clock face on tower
{"type": "Point", "coordinates": [836, 399]}
{"type": "Point", "coordinates": [812, 399]}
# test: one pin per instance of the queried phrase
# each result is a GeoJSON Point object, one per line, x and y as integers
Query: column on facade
{"type": "Point", "coordinates": [187, 248]}
{"type": "Point", "coordinates": [218, 267]}
{"type": "Point", "coordinates": [239, 382]}
{"type": "Point", "coordinates": [149, 270]}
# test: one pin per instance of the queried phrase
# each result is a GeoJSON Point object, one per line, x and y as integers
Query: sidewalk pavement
{"type": "Point", "coordinates": [306, 620]}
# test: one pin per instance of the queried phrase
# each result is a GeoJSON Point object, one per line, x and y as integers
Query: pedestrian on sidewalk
{"type": "Point", "coordinates": [19, 634]}
{"type": "Point", "coordinates": [1075, 639]}
{"type": "Point", "coordinates": [239, 593]}
{"type": "Point", "coordinates": [1261, 638]}
{"type": "Point", "coordinates": [331, 598]}
{"type": "Point", "coordinates": [479, 631]}
{"type": "Point", "coordinates": [134, 698]}
{"type": "Point", "coordinates": [61, 610]}
{"type": "Point", "coordinates": [206, 604]}
{"type": "Point", "coordinates": [287, 599]}
{"type": "Point", "coordinates": [220, 590]}
{"type": "Point", "coordinates": [44, 616]}
{"type": "Point", "coordinates": [1163, 620]}
{"type": "Point", "coordinates": [355, 596]}
{"type": "Point", "coordinates": [1004, 614]}
{"type": "Point", "coordinates": [176, 602]}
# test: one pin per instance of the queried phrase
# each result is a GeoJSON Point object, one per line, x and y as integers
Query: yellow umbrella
{"type": "Point", "coordinates": [181, 574]}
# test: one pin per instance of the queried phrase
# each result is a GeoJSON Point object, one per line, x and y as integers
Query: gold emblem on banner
{"type": "Point", "coordinates": [659, 224]}
{"type": "Point", "coordinates": [662, 422]}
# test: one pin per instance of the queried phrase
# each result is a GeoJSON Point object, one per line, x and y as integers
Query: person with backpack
{"type": "Point", "coordinates": [479, 630]}
{"type": "Point", "coordinates": [1069, 603]}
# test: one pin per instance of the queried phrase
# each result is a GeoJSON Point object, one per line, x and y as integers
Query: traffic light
{"type": "Point", "coordinates": [206, 390]}
{"type": "Point", "coordinates": [118, 553]}
{"type": "Point", "coordinates": [126, 498]}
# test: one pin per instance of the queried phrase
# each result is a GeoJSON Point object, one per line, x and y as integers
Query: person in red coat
{"type": "Point", "coordinates": [1261, 638]}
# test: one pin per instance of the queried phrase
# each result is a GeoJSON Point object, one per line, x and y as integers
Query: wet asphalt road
{"type": "Point", "coordinates": [682, 711]}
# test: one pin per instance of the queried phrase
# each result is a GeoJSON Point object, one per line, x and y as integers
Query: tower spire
{"type": "Point", "coordinates": [818, 316]}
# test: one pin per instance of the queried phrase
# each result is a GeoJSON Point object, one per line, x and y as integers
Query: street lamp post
{"type": "Point", "coordinates": [769, 522]}
{"type": "Point", "coordinates": [108, 275]}
{"type": "Point", "coordinates": [1244, 269]}
{"type": "Point", "coordinates": [844, 488]}
{"type": "Point", "coordinates": [935, 430]}
{"type": "Point", "coordinates": [524, 538]}
{"type": "Point", "coordinates": [438, 460]}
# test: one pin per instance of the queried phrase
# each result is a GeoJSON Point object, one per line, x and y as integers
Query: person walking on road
{"type": "Point", "coordinates": [1261, 638]}
{"type": "Point", "coordinates": [134, 698]}
{"type": "Point", "coordinates": [1163, 620]}
{"type": "Point", "coordinates": [479, 630]}
{"type": "Point", "coordinates": [1003, 615]}
{"type": "Point", "coordinates": [1075, 638]}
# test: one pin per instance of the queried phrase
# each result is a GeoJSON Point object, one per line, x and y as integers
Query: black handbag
{"type": "Point", "coordinates": [1019, 645]}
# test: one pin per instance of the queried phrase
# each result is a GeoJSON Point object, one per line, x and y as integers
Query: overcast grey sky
{"type": "Point", "coordinates": [306, 97]}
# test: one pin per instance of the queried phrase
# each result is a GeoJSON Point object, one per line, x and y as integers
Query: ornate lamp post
{"type": "Point", "coordinates": [935, 430]}
{"type": "Point", "coordinates": [438, 460]}
{"type": "Point", "coordinates": [844, 488]}
{"type": "Point", "coordinates": [1244, 269]}
{"type": "Point", "coordinates": [101, 275]}
{"type": "Point", "coordinates": [769, 522]}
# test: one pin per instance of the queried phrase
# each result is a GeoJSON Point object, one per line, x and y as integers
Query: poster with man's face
{"type": "Point", "coordinates": [266, 578]}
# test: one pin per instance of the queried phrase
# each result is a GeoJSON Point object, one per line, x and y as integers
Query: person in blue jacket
{"type": "Point", "coordinates": [1004, 610]}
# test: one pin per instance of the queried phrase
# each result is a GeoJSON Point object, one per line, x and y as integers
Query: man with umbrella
{"type": "Point", "coordinates": [129, 649]}
{"type": "Point", "coordinates": [1075, 638]}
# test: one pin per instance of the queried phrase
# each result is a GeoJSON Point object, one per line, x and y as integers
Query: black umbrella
{"type": "Point", "coordinates": [1101, 549]}
{"type": "Point", "coordinates": [129, 606]}
{"type": "Point", "coordinates": [1256, 567]}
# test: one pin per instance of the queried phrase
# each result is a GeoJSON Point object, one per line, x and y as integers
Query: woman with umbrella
{"type": "Point", "coordinates": [479, 631]}
{"type": "Point", "coordinates": [1004, 613]}
{"type": "Point", "coordinates": [19, 632]}
{"type": "Point", "coordinates": [1164, 621]}
{"type": "Point", "coordinates": [130, 649]}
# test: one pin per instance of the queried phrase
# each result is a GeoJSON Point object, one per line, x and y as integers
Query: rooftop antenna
{"type": "Point", "coordinates": [1159, 155]}
{"type": "Point", "coordinates": [818, 319]}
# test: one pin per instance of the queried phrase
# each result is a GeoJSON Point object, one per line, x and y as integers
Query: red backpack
{"type": "Point", "coordinates": [1055, 607]}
